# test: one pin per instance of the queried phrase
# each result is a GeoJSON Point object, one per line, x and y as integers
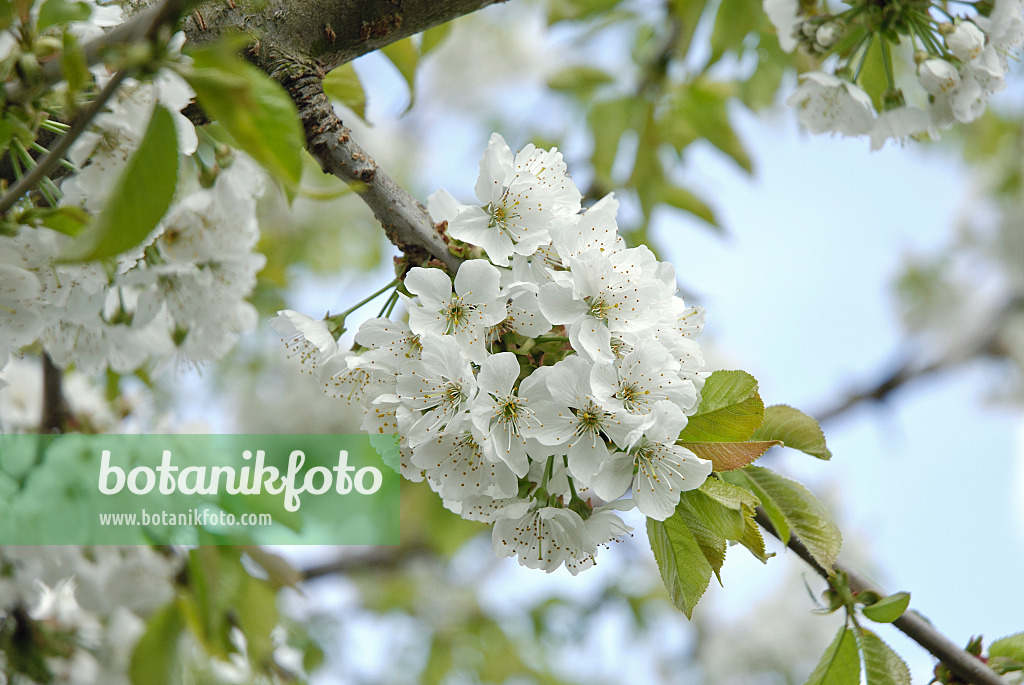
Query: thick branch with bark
{"type": "Point", "coordinates": [404, 219]}
{"type": "Point", "coordinates": [296, 43]}
{"type": "Point", "coordinates": [331, 32]}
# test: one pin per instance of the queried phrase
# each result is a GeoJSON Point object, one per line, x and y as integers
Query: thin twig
{"type": "Point", "coordinates": [375, 558]}
{"type": "Point", "coordinates": [985, 342]}
{"type": "Point", "coordinates": [880, 391]}
{"type": "Point", "coordinates": [132, 30]}
{"type": "Point", "coordinates": [964, 665]}
{"type": "Point", "coordinates": [48, 162]}
{"type": "Point", "coordinates": [144, 26]}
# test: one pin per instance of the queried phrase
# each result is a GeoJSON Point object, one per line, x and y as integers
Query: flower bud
{"type": "Point", "coordinates": [938, 76]}
{"type": "Point", "coordinates": [827, 34]}
{"type": "Point", "coordinates": [966, 41]}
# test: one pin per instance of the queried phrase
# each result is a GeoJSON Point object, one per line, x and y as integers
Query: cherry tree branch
{"type": "Point", "coordinates": [296, 43]}
{"type": "Point", "coordinates": [332, 32]}
{"type": "Point", "coordinates": [143, 28]}
{"type": "Point", "coordinates": [137, 28]}
{"type": "Point", "coordinates": [48, 162]}
{"type": "Point", "coordinates": [987, 341]}
{"type": "Point", "coordinates": [404, 219]}
{"type": "Point", "coordinates": [373, 559]}
{"type": "Point", "coordinates": [966, 666]}
{"type": "Point", "coordinates": [55, 408]}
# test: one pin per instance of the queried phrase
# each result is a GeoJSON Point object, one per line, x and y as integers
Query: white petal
{"type": "Point", "coordinates": [442, 206]}
{"type": "Point", "coordinates": [478, 281]}
{"type": "Point", "coordinates": [432, 285]}
{"type": "Point", "coordinates": [559, 305]}
{"type": "Point", "coordinates": [498, 374]}
{"type": "Point", "coordinates": [614, 476]}
{"type": "Point", "coordinates": [495, 169]}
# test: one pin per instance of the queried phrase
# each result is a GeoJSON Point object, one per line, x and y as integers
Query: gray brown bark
{"type": "Point", "coordinates": [331, 32]}
{"type": "Point", "coordinates": [404, 219]}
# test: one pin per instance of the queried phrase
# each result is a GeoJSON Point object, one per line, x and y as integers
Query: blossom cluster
{"type": "Point", "coordinates": [548, 378]}
{"type": "Point", "coordinates": [959, 61]}
{"type": "Point", "coordinates": [180, 294]}
{"type": "Point", "coordinates": [89, 605]}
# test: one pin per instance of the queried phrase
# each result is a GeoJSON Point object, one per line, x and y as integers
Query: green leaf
{"type": "Point", "coordinates": [342, 84]}
{"type": "Point", "coordinates": [767, 504]}
{"type": "Point", "coordinates": [730, 409]}
{"type": "Point", "coordinates": [73, 65]}
{"type": "Point", "coordinates": [217, 579]}
{"type": "Point", "coordinates": [130, 215]}
{"type": "Point", "coordinates": [795, 429]}
{"type": "Point", "coordinates": [872, 76]}
{"type": "Point", "coordinates": [746, 503]}
{"type": "Point", "coordinates": [432, 38]}
{"type": "Point", "coordinates": [728, 456]}
{"type": "Point", "coordinates": [1009, 647]}
{"type": "Point", "coordinates": [730, 495]}
{"type": "Point", "coordinates": [608, 120]}
{"type": "Point", "coordinates": [155, 657]}
{"type": "Point", "coordinates": [688, 14]}
{"type": "Point", "coordinates": [724, 511]}
{"type": "Point", "coordinates": [279, 572]}
{"type": "Point", "coordinates": [561, 10]}
{"type": "Point", "coordinates": [55, 12]}
{"type": "Point", "coordinates": [6, 14]}
{"type": "Point", "coordinates": [256, 612]}
{"type": "Point", "coordinates": [580, 79]}
{"type": "Point", "coordinates": [255, 111]}
{"type": "Point", "coordinates": [716, 516]}
{"type": "Point", "coordinates": [683, 199]}
{"type": "Point", "coordinates": [684, 569]}
{"type": "Point", "coordinates": [882, 666]}
{"type": "Point", "coordinates": [404, 56]}
{"type": "Point", "coordinates": [803, 513]}
{"type": "Point", "coordinates": [888, 609]}
{"type": "Point", "coordinates": [70, 220]}
{"type": "Point", "coordinates": [699, 107]}
{"type": "Point", "coordinates": [840, 664]}
{"type": "Point", "coordinates": [712, 545]}
{"type": "Point", "coordinates": [735, 19]}
{"type": "Point", "coordinates": [754, 541]}
{"type": "Point", "coordinates": [648, 177]}
{"type": "Point", "coordinates": [758, 91]}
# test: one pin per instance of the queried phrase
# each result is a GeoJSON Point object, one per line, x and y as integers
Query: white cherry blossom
{"type": "Point", "coordinates": [501, 417]}
{"type": "Point", "coordinates": [966, 41]}
{"type": "Point", "coordinates": [521, 195]}
{"type": "Point", "coordinates": [596, 299]}
{"type": "Point", "coordinates": [543, 538]}
{"type": "Point", "coordinates": [434, 390]}
{"type": "Point", "coordinates": [647, 375]}
{"type": "Point", "coordinates": [664, 470]}
{"type": "Point", "coordinates": [827, 104]}
{"type": "Point", "coordinates": [465, 313]}
{"type": "Point", "coordinates": [457, 469]}
{"type": "Point", "coordinates": [574, 420]}
{"type": "Point", "coordinates": [559, 361]}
